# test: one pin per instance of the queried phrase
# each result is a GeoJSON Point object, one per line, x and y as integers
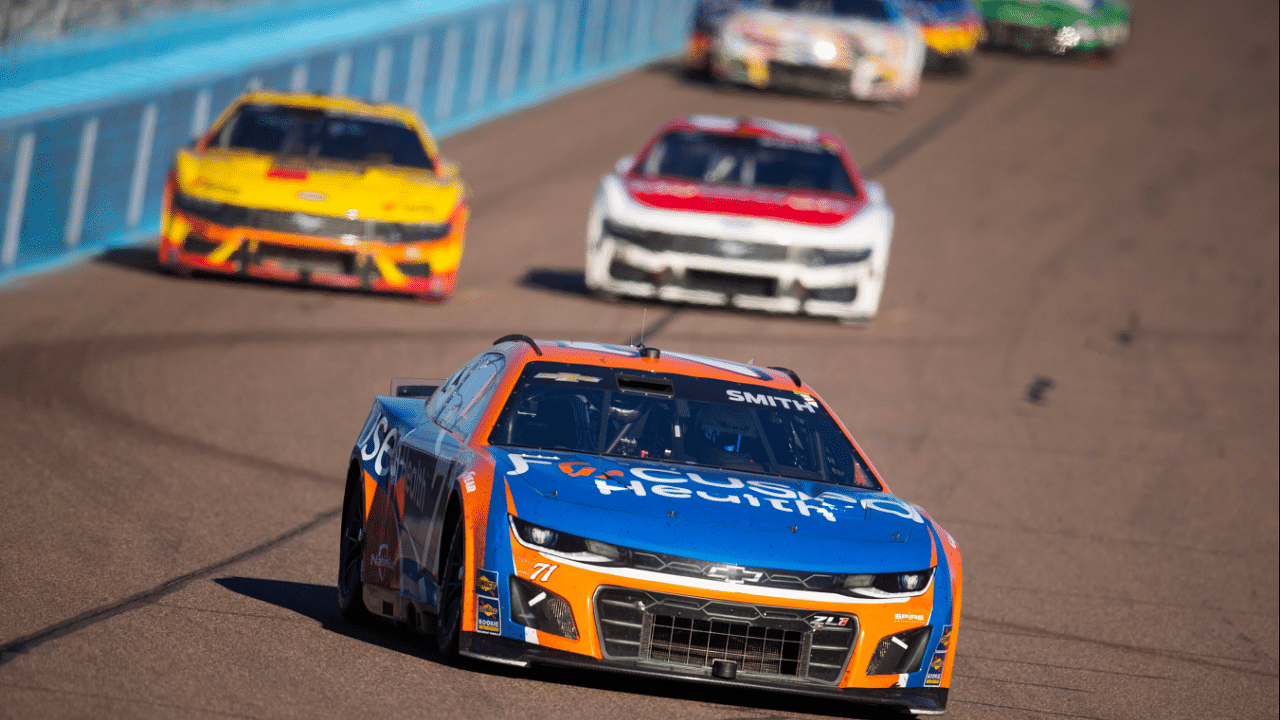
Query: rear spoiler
{"type": "Point", "coordinates": [414, 387]}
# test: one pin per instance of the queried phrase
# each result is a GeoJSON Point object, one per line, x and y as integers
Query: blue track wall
{"type": "Point", "coordinates": [83, 157]}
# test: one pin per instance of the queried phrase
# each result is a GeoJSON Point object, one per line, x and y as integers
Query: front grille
{"type": "Point", "coordinates": [836, 294]}
{"type": "Point", "coordinates": [619, 270]}
{"type": "Point", "coordinates": [302, 223]}
{"type": "Point", "coordinates": [787, 644]}
{"type": "Point", "coordinates": [198, 244]}
{"type": "Point", "coordinates": [656, 241]}
{"type": "Point", "coordinates": [1023, 38]}
{"type": "Point", "coordinates": [285, 257]}
{"type": "Point", "coordinates": [756, 576]}
{"type": "Point", "coordinates": [699, 642]}
{"type": "Point", "coordinates": [730, 283]}
{"type": "Point", "coordinates": [308, 224]}
{"type": "Point", "coordinates": [808, 78]}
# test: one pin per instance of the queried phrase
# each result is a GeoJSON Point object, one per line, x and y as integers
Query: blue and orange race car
{"type": "Point", "coordinates": [656, 513]}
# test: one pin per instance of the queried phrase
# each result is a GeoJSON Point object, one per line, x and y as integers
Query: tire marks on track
{"type": "Point", "coordinates": [16, 648]}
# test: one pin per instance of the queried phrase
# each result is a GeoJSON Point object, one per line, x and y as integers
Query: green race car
{"type": "Point", "coordinates": [1056, 26]}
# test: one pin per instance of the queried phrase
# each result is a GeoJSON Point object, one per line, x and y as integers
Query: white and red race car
{"type": "Point", "coordinates": [742, 212]}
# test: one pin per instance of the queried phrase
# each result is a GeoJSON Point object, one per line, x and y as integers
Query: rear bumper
{"type": "Point", "coordinates": [513, 652]}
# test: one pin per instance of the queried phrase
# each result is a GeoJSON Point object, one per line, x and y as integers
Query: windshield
{"type": "Point", "coordinates": [869, 9]}
{"type": "Point", "coordinates": [746, 162]}
{"type": "Point", "coordinates": [678, 419]}
{"type": "Point", "coordinates": [318, 134]}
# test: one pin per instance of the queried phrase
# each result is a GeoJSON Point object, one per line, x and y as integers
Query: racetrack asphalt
{"type": "Point", "coordinates": [1075, 370]}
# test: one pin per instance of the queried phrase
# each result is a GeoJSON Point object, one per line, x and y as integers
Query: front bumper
{"type": "Point", "coordinates": [1054, 40]}
{"type": "Point", "coordinates": [427, 269]}
{"type": "Point", "coordinates": [923, 701]}
{"type": "Point", "coordinates": [782, 285]}
{"type": "Point", "coordinates": [771, 633]}
{"type": "Point", "coordinates": [863, 78]}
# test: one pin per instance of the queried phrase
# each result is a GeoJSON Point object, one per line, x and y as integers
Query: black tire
{"type": "Point", "coordinates": [452, 590]}
{"type": "Point", "coordinates": [351, 557]}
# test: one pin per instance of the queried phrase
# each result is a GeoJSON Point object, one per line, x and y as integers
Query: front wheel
{"type": "Point", "coordinates": [351, 558]}
{"type": "Point", "coordinates": [452, 579]}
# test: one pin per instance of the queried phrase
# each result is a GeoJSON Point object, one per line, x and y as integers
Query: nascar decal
{"type": "Point", "coordinates": [934, 676]}
{"type": "Point", "coordinates": [488, 615]}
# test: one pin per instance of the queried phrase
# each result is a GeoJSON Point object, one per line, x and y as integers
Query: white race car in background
{"type": "Point", "coordinates": [866, 49]}
{"type": "Point", "coordinates": [743, 212]}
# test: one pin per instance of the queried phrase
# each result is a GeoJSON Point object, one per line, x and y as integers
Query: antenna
{"type": "Point", "coordinates": [644, 315]}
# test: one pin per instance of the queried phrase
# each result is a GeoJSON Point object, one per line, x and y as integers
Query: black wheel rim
{"type": "Point", "coordinates": [352, 551]}
{"type": "Point", "coordinates": [451, 591]}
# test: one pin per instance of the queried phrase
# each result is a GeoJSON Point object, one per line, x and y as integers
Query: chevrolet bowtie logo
{"type": "Point", "coordinates": [734, 574]}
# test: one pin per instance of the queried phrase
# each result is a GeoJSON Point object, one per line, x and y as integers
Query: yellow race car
{"type": "Point", "coordinates": [315, 189]}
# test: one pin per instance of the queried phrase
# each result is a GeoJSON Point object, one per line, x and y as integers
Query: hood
{"type": "Point", "coordinates": [388, 193]}
{"type": "Point", "coordinates": [809, 208]}
{"type": "Point", "coordinates": [781, 24]}
{"type": "Point", "coordinates": [716, 515]}
{"type": "Point", "coordinates": [1052, 14]}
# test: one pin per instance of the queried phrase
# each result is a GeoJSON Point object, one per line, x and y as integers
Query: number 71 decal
{"type": "Point", "coordinates": [542, 571]}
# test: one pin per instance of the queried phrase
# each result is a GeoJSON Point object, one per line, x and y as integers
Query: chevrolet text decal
{"type": "Point", "coordinates": [806, 402]}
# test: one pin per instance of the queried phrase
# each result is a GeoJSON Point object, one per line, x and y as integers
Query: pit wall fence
{"type": "Point", "coordinates": [84, 157]}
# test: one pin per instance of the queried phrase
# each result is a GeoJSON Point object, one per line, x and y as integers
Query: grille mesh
{"type": "Point", "coordinates": [788, 644]}
{"type": "Point", "coordinates": [699, 642]}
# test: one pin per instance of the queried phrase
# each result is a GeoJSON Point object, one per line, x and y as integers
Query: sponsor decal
{"type": "Point", "coordinates": [908, 617]}
{"type": "Point", "coordinates": [469, 482]}
{"type": "Point", "coordinates": [520, 462]}
{"type": "Point", "coordinates": [352, 213]}
{"type": "Point", "coordinates": [312, 195]}
{"type": "Point", "coordinates": [934, 676]}
{"type": "Point", "coordinates": [567, 377]}
{"type": "Point", "coordinates": [820, 621]}
{"type": "Point", "coordinates": [418, 470]}
{"type": "Point", "coordinates": [489, 615]}
{"type": "Point", "coordinates": [677, 484]}
{"type": "Point", "coordinates": [382, 560]}
{"type": "Point", "coordinates": [487, 583]}
{"type": "Point", "coordinates": [377, 444]}
{"type": "Point", "coordinates": [806, 403]}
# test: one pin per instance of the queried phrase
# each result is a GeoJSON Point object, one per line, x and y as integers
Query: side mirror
{"type": "Point", "coordinates": [623, 166]}
{"type": "Point", "coordinates": [448, 169]}
{"type": "Point", "coordinates": [875, 192]}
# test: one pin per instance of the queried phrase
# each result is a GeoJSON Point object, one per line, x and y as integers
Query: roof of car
{"type": "Point", "coordinates": [753, 127]}
{"type": "Point", "coordinates": [634, 357]}
{"type": "Point", "coordinates": [331, 102]}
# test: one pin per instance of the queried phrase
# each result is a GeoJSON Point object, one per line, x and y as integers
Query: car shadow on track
{"type": "Point", "coordinates": [319, 602]}
{"type": "Point", "coordinates": [570, 282]}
